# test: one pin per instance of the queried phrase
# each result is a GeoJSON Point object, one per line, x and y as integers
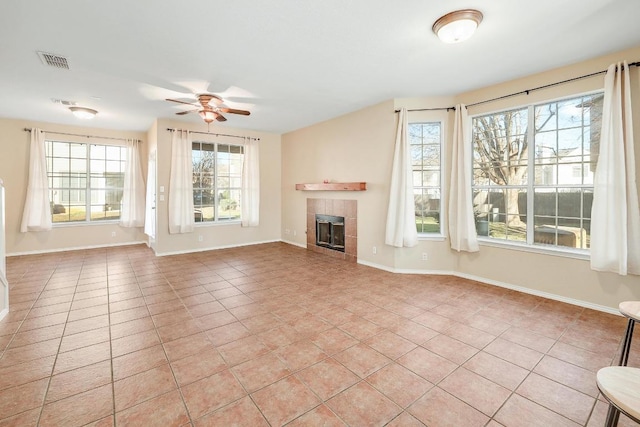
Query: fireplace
{"type": "Point", "coordinates": [330, 232]}
{"type": "Point", "coordinates": [332, 228]}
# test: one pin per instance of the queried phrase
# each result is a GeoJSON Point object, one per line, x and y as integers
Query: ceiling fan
{"type": "Point", "coordinates": [211, 108]}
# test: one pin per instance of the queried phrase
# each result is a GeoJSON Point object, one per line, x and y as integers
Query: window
{"type": "Point", "coordinates": [85, 181]}
{"type": "Point", "coordinates": [217, 181]}
{"type": "Point", "coordinates": [425, 142]}
{"type": "Point", "coordinates": [533, 172]}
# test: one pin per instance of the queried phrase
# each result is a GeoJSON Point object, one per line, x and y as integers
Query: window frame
{"type": "Point", "coordinates": [529, 245]}
{"type": "Point", "coordinates": [216, 221]}
{"type": "Point", "coordinates": [87, 189]}
{"type": "Point", "coordinates": [440, 235]}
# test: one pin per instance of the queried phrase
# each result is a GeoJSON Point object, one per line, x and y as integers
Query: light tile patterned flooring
{"type": "Point", "coordinates": [273, 334]}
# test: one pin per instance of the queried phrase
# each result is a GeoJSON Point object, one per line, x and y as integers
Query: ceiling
{"type": "Point", "coordinates": [292, 63]}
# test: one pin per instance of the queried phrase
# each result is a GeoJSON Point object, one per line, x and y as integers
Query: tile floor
{"type": "Point", "coordinates": [276, 335]}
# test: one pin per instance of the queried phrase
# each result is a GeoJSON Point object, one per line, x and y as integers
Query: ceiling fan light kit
{"type": "Point", "coordinates": [208, 112]}
{"type": "Point", "coordinates": [208, 115]}
{"type": "Point", "coordinates": [457, 26]}
{"type": "Point", "coordinates": [83, 113]}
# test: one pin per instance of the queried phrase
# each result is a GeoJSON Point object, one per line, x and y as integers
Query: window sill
{"type": "Point", "coordinates": [217, 223]}
{"type": "Point", "coordinates": [85, 223]}
{"type": "Point", "coordinates": [432, 237]}
{"type": "Point", "coordinates": [582, 254]}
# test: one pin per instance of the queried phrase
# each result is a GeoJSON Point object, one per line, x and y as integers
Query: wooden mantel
{"type": "Point", "coordinates": [333, 186]}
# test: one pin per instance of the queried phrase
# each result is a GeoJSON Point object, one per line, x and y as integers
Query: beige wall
{"type": "Point", "coordinates": [565, 277]}
{"type": "Point", "coordinates": [351, 148]}
{"type": "Point", "coordinates": [439, 257]}
{"type": "Point", "coordinates": [218, 236]}
{"type": "Point", "coordinates": [359, 147]}
{"type": "Point", "coordinates": [14, 159]}
{"type": "Point", "coordinates": [14, 170]}
{"type": "Point", "coordinates": [354, 147]}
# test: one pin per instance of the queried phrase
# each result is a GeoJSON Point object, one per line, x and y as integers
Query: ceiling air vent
{"type": "Point", "coordinates": [53, 60]}
{"type": "Point", "coordinates": [63, 102]}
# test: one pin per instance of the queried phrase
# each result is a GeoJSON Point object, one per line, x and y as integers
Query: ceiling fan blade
{"type": "Point", "coordinates": [181, 102]}
{"type": "Point", "coordinates": [180, 113]}
{"type": "Point", "coordinates": [214, 99]}
{"type": "Point", "coordinates": [221, 118]}
{"type": "Point", "coordinates": [234, 111]}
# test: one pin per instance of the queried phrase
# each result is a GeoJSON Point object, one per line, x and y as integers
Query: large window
{"type": "Point", "coordinates": [85, 181]}
{"type": "Point", "coordinates": [217, 181]}
{"type": "Point", "coordinates": [533, 172]}
{"type": "Point", "coordinates": [425, 141]}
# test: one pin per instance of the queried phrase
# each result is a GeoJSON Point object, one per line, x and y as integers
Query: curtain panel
{"type": "Point", "coordinates": [181, 212]}
{"type": "Point", "coordinates": [462, 230]}
{"type": "Point", "coordinates": [250, 195]}
{"type": "Point", "coordinates": [37, 206]}
{"type": "Point", "coordinates": [401, 218]}
{"type": "Point", "coordinates": [133, 194]}
{"type": "Point", "coordinates": [615, 216]}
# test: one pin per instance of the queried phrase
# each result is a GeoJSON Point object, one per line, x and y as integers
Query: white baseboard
{"type": "Point", "coordinates": [542, 294]}
{"type": "Point", "coordinates": [3, 313]}
{"type": "Point", "coordinates": [76, 248]}
{"type": "Point", "coordinates": [378, 266]}
{"type": "Point", "coordinates": [213, 248]}
{"type": "Point", "coordinates": [406, 271]}
{"type": "Point", "coordinates": [289, 242]}
{"type": "Point", "coordinates": [522, 289]}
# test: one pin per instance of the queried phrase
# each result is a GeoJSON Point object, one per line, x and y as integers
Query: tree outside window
{"type": "Point", "coordinates": [533, 172]}
{"type": "Point", "coordinates": [217, 181]}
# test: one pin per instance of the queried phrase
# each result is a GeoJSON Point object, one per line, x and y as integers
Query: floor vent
{"type": "Point", "coordinates": [54, 60]}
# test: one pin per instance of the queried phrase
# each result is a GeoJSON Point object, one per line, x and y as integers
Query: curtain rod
{"type": "Point", "coordinates": [85, 136]}
{"type": "Point", "coordinates": [215, 134]}
{"type": "Point", "coordinates": [522, 92]}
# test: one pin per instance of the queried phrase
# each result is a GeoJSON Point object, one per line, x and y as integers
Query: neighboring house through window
{"type": "Point", "coordinates": [217, 181]}
{"type": "Point", "coordinates": [533, 172]}
{"type": "Point", "coordinates": [426, 147]}
{"type": "Point", "coordinates": [85, 181]}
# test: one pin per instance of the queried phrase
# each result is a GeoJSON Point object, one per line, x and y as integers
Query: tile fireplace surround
{"type": "Point", "coordinates": [346, 208]}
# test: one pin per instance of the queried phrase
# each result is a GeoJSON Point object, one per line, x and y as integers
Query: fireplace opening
{"type": "Point", "coordinates": [330, 232]}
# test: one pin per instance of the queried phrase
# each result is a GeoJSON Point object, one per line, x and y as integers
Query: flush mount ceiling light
{"type": "Point", "coordinates": [83, 113]}
{"type": "Point", "coordinates": [457, 26]}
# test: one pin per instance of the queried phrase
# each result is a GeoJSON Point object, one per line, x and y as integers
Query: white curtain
{"type": "Point", "coordinates": [401, 220]}
{"type": "Point", "coordinates": [615, 216]}
{"type": "Point", "coordinates": [133, 194]}
{"type": "Point", "coordinates": [150, 205]}
{"type": "Point", "coordinates": [37, 206]}
{"type": "Point", "coordinates": [462, 230]}
{"type": "Point", "coordinates": [250, 196]}
{"type": "Point", "coordinates": [181, 214]}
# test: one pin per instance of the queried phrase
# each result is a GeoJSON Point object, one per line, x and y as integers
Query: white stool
{"type": "Point", "coordinates": [620, 385]}
{"type": "Point", "coordinates": [630, 310]}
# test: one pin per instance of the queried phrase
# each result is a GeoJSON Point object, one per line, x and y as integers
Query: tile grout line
{"type": "Point", "coordinates": [44, 400]}
{"type": "Point", "coordinates": [162, 344]}
{"type": "Point", "coordinates": [113, 383]}
{"type": "Point", "coordinates": [531, 371]}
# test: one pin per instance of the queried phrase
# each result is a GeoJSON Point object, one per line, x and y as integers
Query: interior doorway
{"type": "Point", "coordinates": [150, 214]}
